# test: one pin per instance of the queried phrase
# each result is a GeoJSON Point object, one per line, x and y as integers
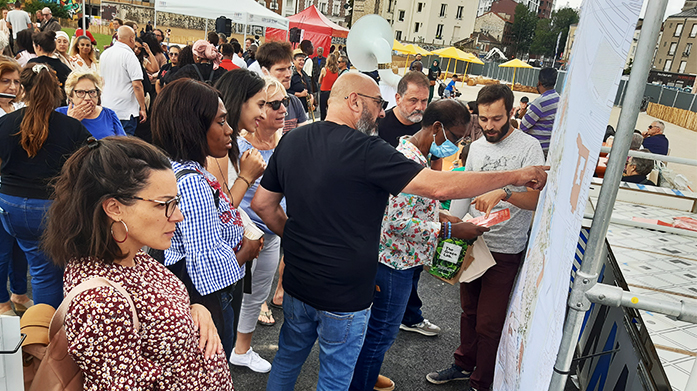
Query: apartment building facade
{"type": "Point", "coordinates": [439, 22]}
{"type": "Point", "coordinates": [334, 10]}
{"type": "Point", "coordinates": [677, 47]}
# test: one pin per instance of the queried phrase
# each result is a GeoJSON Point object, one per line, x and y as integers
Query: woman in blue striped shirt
{"type": "Point", "coordinates": [208, 248]}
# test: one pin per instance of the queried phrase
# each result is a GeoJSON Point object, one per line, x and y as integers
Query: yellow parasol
{"type": "Point", "coordinates": [515, 64]}
{"type": "Point", "coordinates": [414, 50]}
{"type": "Point", "coordinates": [471, 58]}
{"type": "Point", "coordinates": [450, 53]}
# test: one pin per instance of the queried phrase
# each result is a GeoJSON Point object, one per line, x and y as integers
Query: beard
{"type": "Point", "coordinates": [500, 133]}
{"type": "Point", "coordinates": [367, 124]}
{"type": "Point", "coordinates": [413, 117]}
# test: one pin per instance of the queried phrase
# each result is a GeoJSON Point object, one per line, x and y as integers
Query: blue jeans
{"type": "Point", "coordinates": [22, 219]}
{"type": "Point", "coordinates": [412, 315]}
{"type": "Point", "coordinates": [129, 125]}
{"type": "Point", "coordinates": [340, 339]}
{"type": "Point", "coordinates": [13, 262]}
{"type": "Point", "coordinates": [228, 334]}
{"type": "Point", "coordinates": [388, 308]}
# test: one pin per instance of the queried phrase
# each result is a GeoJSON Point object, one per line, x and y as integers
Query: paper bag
{"type": "Point", "coordinates": [482, 261]}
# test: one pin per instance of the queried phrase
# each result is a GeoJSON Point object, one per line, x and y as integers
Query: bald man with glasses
{"type": "Point", "coordinates": [336, 178]}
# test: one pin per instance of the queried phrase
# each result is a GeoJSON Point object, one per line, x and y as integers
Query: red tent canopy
{"type": "Point", "coordinates": [315, 27]}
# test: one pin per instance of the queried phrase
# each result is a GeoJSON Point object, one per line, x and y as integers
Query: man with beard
{"type": "Point", "coordinates": [405, 118]}
{"type": "Point", "coordinates": [336, 180]}
{"type": "Point", "coordinates": [275, 60]}
{"type": "Point", "coordinates": [484, 300]}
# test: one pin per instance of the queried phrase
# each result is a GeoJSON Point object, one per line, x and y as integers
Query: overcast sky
{"type": "Point", "coordinates": [674, 6]}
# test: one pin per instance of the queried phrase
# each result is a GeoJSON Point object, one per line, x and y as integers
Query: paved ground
{"type": "Point", "coordinates": [407, 362]}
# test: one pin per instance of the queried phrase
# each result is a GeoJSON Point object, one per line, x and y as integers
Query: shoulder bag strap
{"type": "Point", "coordinates": [216, 193]}
{"type": "Point", "coordinates": [96, 282]}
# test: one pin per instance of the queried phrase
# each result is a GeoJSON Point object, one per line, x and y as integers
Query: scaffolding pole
{"type": "Point", "coordinates": [587, 276]}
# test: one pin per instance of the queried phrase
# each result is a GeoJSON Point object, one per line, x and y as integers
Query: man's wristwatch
{"type": "Point", "coordinates": [508, 193]}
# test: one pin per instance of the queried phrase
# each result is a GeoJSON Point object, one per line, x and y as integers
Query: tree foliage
{"type": "Point", "coordinates": [56, 9]}
{"type": "Point", "coordinates": [548, 31]}
{"type": "Point", "coordinates": [524, 24]}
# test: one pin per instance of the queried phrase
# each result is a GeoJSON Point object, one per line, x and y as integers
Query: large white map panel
{"type": "Point", "coordinates": [533, 328]}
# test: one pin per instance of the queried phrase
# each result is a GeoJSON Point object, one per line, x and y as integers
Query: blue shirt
{"type": "Point", "coordinates": [450, 85]}
{"type": "Point", "coordinates": [247, 200]}
{"type": "Point", "coordinates": [107, 124]}
{"type": "Point", "coordinates": [208, 236]}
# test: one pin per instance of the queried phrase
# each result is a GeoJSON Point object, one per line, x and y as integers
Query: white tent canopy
{"type": "Point", "coordinates": [247, 12]}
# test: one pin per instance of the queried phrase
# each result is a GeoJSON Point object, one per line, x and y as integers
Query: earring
{"type": "Point", "coordinates": [111, 228]}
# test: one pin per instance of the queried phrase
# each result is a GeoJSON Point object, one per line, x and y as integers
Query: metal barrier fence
{"type": "Point", "coordinates": [662, 95]}
{"type": "Point", "coordinates": [524, 76]}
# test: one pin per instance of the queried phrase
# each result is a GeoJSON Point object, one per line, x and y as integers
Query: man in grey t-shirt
{"type": "Point", "coordinates": [485, 300]}
{"type": "Point", "coordinates": [18, 20]}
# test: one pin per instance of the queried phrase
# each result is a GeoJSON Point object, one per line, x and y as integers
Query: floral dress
{"type": "Point", "coordinates": [410, 226]}
{"type": "Point", "coordinates": [77, 63]}
{"type": "Point", "coordinates": [162, 355]}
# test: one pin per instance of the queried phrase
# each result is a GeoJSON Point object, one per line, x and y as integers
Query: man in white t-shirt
{"type": "Point", "coordinates": [18, 20]}
{"type": "Point", "coordinates": [484, 301]}
{"type": "Point", "coordinates": [123, 81]}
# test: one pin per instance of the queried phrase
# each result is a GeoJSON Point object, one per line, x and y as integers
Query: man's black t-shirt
{"type": "Point", "coordinates": [27, 177]}
{"type": "Point", "coordinates": [336, 181]}
{"type": "Point", "coordinates": [390, 129]}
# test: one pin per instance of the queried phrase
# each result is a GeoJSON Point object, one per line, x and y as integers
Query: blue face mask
{"type": "Point", "coordinates": [444, 150]}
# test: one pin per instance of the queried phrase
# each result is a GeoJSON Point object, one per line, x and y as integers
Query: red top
{"type": "Point", "coordinates": [228, 64]}
{"type": "Point", "coordinates": [328, 80]}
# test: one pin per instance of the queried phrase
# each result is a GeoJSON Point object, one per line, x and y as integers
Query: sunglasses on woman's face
{"type": "Point", "coordinates": [276, 104]}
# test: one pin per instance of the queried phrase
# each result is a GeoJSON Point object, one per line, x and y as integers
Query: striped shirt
{"type": "Point", "coordinates": [208, 236]}
{"type": "Point", "coordinates": [539, 119]}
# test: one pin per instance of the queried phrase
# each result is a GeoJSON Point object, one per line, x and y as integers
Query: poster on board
{"type": "Point", "coordinates": [533, 328]}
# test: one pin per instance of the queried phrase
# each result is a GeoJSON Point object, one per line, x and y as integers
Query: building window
{"type": "Point", "coordinates": [401, 16]}
{"type": "Point", "coordinates": [389, 6]}
{"type": "Point", "coordinates": [693, 32]}
{"type": "Point", "coordinates": [420, 7]}
{"type": "Point", "coordinates": [323, 8]}
{"type": "Point", "coordinates": [398, 35]}
{"type": "Point", "coordinates": [335, 10]}
{"type": "Point", "coordinates": [683, 64]}
{"type": "Point", "coordinates": [416, 27]}
{"type": "Point", "coordinates": [667, 65]}
{"type": "Point", "coordinates": [673, 46]}
{"type": "Point", "coordinates": [688, 50]}
{"type": "Point", "coordinates": [439, 32]}
{"type": "Point", "coordinates": [459, 12]}
{"type": "Point", "coordinates": [678, 30]}
{"type": "Point", "coordinates": [443, 7]}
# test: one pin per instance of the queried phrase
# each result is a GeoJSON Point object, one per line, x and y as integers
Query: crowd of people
{"type": "Point", "coordinates": [348, 204]}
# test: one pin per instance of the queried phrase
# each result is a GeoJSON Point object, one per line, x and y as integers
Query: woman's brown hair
{"type": "Point", "coordinates": [8, 65]}
{"type": "Point", "coordinates": [42, 95]}
{"type": "Point", "coordinates": [113, 167]}
{"type": "Point", "coordinates": [333, 63]}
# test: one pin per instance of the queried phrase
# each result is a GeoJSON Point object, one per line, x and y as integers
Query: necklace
{"type": "Point", "coordinates": [229, 192]}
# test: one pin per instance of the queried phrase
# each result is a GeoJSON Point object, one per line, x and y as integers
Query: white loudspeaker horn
{"type": "Point", "coordinates": [369, 47]}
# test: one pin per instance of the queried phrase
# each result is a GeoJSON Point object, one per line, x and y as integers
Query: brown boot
{"type": "Point", "coordinates": [383, 384]}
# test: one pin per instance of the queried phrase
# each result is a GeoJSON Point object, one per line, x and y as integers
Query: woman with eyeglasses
{"type": "Point", "coordinates": [84, 90]}
{"type": "Point", "coordinates": [264, 140]}
{"type": "Point", "coordinates": [173, 61]}
{"type": "Point", "coordinates": [113, 197]}
{"type": "Point", "coordinates": [410, 230]}
{"type": "Point", "coordinates": [189, 122]}
{"type": "Point", "coordinates": [82, 55]}
{"type": "Point", "coordinates": [17, 272]}
{"type": "Point", "coordinates": [34, 143]}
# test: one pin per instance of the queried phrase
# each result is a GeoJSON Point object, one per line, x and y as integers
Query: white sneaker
{"type": "Point", "coordinates": [251, 360]}
{"type": "Point", "coordinates": [426, 328]}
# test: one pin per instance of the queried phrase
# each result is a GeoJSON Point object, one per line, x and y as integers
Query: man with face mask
{"type": "Point", "coordinates": [336, 180]}
{"type": "Point", "coordinates": [410, 230]}
{"type": "Point", "coordinates": [484, 300]}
